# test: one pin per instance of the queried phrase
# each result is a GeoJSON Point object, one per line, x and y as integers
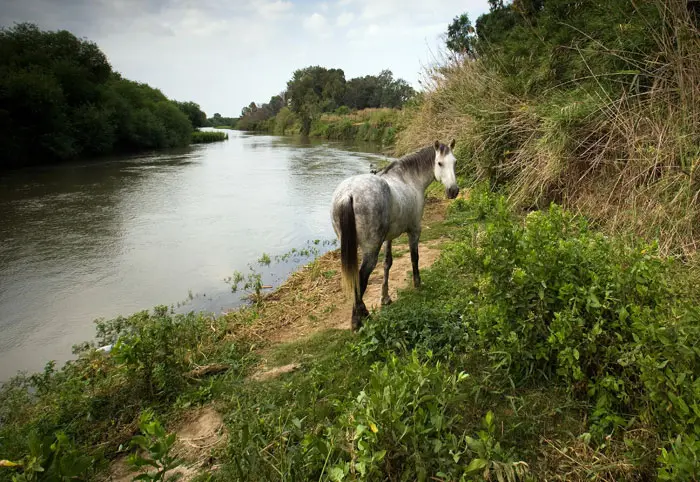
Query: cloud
{"type": "Point", "coordinates": [316, 23]}
{"type": "Point", "coordinates": [275, 8]}
{"type": "Point", "coordinates": [344, 19]}
{"type": "Point", "coordinates": [223, 55]}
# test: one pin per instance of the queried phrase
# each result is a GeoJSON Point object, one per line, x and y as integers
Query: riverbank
{"type": "Point", "coordinates": [498, 365]}
{"type": "Point", "coordinates": [366, 125]}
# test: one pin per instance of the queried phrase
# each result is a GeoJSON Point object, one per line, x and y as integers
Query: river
{"type": "Point", "coordinates": [97, 239]}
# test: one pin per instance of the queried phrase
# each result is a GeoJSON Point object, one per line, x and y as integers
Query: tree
{"type": "Point", "coordinates": [314, 90]}
{"type": "Point", "coordinates": [373, 91]}
{"type": "Point", "coordinates": [60, 99]}
{"type": "Point", "coordinates": [460, 35]}
{"type": "Point", "coordinates": [192, 110]}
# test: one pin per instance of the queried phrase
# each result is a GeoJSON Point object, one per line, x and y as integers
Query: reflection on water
{"type": "Point", "coordinates": [98, 239]}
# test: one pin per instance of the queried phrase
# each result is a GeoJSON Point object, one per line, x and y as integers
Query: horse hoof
{"type": "Point", "coordinates": [386, 301]}
{"type": "Point", "coordinates": [356, 324]}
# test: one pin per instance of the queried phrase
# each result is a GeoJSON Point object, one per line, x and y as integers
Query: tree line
{"type": "Point", "coordinates": [60, 99]}
{"type": "Point", "coordinates": [314, 90]}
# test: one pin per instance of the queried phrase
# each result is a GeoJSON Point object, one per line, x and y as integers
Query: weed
{"type": "Point", "coordinates": [155, 447]}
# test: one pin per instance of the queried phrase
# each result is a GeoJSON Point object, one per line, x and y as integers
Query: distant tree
{"type": "Point", "coordinates": [275, 105]}
{"type": "Point", "coordinates": [314, 90]}
{"type": "Point", "coordinates": [60, 99]}
{"type": "Point", "coordinates": [192, 110]}
{"type": "Point", "coordinates": [373, 91]}
{"type": "Point", "coordinates": [460, 36]}
{"type": "Point", "coordinates": [218, 120]}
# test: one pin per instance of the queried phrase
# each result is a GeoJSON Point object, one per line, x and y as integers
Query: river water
{"type": "Point", "coordinates": [98, 239]}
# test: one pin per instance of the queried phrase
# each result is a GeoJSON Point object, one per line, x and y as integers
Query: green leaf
{"type": "Point", "coordinates": [336, 474]}
{"type": "Point", "coordinates": [475, 466]}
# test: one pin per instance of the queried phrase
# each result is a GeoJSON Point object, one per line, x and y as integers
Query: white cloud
{"type": "Point", "coordinates": [344, 19]}
{"type": "Point", "coordinates": [316, 23]}
{"type": "Point", "coordinates": [275, 8]}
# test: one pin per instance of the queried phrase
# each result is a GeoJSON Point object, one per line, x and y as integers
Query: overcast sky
{"type": "Point", "coordinates": [223, 54]}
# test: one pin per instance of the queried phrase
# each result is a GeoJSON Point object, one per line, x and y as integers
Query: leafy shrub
{"type": "Point", "coordinates": [406, 424]}
{"type": "Point", "coordinates": [155, 447]}
{"type": "Point", "coordinates": [53, 458]}
{"type": "Point", "coordinates": [551, 301]}
{"type": "Point", "coordinates": [95, 399]}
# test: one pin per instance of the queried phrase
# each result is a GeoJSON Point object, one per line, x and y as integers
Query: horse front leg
{"type": "Point", "coordinates": [413, 238]}
{"type": "Point", "coordinates": [388, 261]}
{"type": "Point", "coordinates": [359, 311]}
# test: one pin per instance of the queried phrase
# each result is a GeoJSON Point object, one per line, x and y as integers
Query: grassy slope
{"type": "Point", "coordinates": [618, 144]}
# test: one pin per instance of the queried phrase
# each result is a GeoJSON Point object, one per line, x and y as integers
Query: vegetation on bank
{"type": "Point", "coordinates": [525, 330]}
{"type": "Point", "coordinates": [316, 92]}
{"type": "Point", "coordinates": [219, 122]}
{"type": "Point", "coordinates": [367, 125]}
{"type": "Point", "coordinates": [201, 137]}
{"type": "Point", "coordinates": [60, 100]}
{"type": "Point", "coordinates": [591, 104]}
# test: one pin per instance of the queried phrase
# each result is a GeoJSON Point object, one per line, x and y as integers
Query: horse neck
{"type": "Point", "coordinates": [423, 179]}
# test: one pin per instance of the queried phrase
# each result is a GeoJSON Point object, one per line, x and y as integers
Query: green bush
{"type": "Point", "coordinates": [407, 424]}
{"type": "Point", "coordinates": [549, 300]}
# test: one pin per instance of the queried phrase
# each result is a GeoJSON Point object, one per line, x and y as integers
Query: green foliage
{"type": "Point", "coordinates": [544, 43]}
{"type": "Point", "coordinates": [376, 91]}
{"type": "Point", "coordinates": [260, 118]}
{"type": "Point", "coordinates": [369, 125]}
{"type": "Point", "coordinates": [60, 99]}
{"type": "Point", "coordinates": [194, 113]}
{"type": "Point", "coordinates": [460, 35]}
{"type": "Point", "coordinates": [551, 301]}
{"type": "Point", "coordinates": [252, 283]}
{"type": "Point", "coordinates": [218, 121]}
{"type": "Point", "coordinates": [284, 121]}
{"type": "Point", "coordinates": [314, 90]}
{"type": "Point", "coordinates": [95, 399]}
{"type": "Point", "coordinates": [200, 137]}
{"type": "Point", "coordinates": [53, 458]}
{"type": "Point", "coordinates": [155, 449]}
{"type": "Point", "coordinates": [406, 422]}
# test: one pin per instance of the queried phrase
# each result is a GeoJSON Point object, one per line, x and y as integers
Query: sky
{"type": "Point", "coordinates": [224, 54]}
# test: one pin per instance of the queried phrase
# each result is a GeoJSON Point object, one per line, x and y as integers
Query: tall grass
{"type": "Point", "coordinates": [201, 137]}
{"type": "Point", "coordinates": [625, 155]}
{"type": "Point", "coordinates": [372, 125]}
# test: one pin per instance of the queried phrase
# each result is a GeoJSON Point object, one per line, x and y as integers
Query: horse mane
{"type": "Point", "coordinates": [414, 163]}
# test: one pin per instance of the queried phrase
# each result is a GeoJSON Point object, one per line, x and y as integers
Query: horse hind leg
{"type": "Point", "coordinates": [388, 261]}
{"type": "Point", "coordinates": [413, 239]}
{"type": "Point", "coordinates": [359, 310]}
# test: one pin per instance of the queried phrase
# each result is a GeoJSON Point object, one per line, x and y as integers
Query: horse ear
{"type": "Point", "coordinates": [437, 145]}
{"type": "Point", "coordinates": [452, 144]}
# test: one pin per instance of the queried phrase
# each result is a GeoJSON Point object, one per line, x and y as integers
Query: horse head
{"type": "Point", "coordinates": [445, 168]}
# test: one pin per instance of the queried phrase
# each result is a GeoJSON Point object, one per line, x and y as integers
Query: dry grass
{"type": "Point", "coordinates": [628, 162]}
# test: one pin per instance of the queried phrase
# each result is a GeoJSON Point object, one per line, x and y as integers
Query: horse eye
{"type": "Point", "coordinates": [440, 164]}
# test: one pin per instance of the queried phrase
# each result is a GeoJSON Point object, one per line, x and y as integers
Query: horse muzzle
{"type": "Point", "coordinates": [452, 192]}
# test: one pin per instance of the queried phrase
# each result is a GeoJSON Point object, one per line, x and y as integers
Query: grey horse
{"type": "Point", "coordinates": [370, 209]}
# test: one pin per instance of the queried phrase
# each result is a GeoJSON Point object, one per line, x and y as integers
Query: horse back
{"type": "Point", "coordinates": [371, 197]}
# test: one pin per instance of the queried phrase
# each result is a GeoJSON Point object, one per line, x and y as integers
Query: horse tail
{"type": "Point", "coordinates": [348, 248]}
